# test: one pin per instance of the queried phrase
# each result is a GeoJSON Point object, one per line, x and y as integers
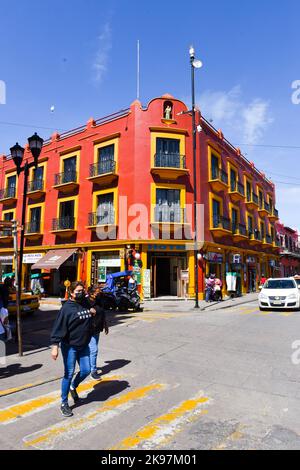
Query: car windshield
{"type": "Point", "coordinates": [280, 284]}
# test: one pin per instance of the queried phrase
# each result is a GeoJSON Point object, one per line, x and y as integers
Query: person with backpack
{"type": "Point", "coordinates": [99, 324]}
{"type": "Point", "coordinates": [72, 330]}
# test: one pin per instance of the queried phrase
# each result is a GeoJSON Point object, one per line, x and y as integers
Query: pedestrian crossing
{"type": "Point", "coordinates": [167, 421]}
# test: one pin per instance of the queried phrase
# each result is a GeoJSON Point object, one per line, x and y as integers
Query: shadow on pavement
{"type": "Point", "coordinates": [15, 369]}
{"type": "Point", "coordinates": [113, 365]}
{"type": "Point", "coordinates": [103, 391]}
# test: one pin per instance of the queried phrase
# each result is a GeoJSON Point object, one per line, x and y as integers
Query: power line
{"type": "Point", "coordinates": [283, 176]}
{"type": "Point", "coordinates": [285, 182]}
{"type": "Point", "coordinates": [271, 146]}
{"type": "Point", "coordinates": [31, 125]}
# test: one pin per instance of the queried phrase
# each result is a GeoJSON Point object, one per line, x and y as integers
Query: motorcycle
{"type": "Point", "coordinates": [115, 295]}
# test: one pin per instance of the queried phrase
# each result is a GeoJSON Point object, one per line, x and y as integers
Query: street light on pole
{"type": "Point", "coordinates": [195, 64]}
{"type": "Point", "coordinates": [17, 152]}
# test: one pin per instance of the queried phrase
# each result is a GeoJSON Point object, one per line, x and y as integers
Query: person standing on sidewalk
{"type": "Point", "coordinates": [99, 324]}
{"type": "Point", "coordinates": [73, 330]}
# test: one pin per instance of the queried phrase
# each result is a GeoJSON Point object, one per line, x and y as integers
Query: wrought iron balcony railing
{"type": "Point", "coordinates": [66, 177]}
{"type": "Point", "coordinates": [269, 239]}
{"type": "Point", "coordinates": [35, 185]}
{"type": "Point", "coordinates": [8, 193]}
{"type": "Point", "coordinates": [235, 186]}
{"type": "Point", "coordinates": [170, 160]}
{"type": "Point", "coordinates": [166, 214]}
{"type": "Point", "coordinates": [63, 223]}
{"type": "Point", "coordinates": [33, 227]}
{"type": "Point", "coordinates": [218, 174]}
{"type": "Point", "coordinates": [222, 222]}
{"type": "Point", "coordinates": [102, 217]}
{"type": "Point", "coordinates": [102, 167]}
{"type": "Point", "coordinates": [5, 233]}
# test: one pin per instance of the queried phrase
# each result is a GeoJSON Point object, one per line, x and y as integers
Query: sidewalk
{"type": "Point", "coordinates": [178, 304]}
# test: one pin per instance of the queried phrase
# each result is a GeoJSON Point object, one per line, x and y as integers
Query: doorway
{"type": "Point", "coordinates": [163, 272]}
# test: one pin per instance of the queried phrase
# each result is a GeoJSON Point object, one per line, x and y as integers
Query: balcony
{"type": "Point", "coordinates": [64, 225]}
{"type": "Point", "coordinates": [273, 215]}
{"type": "Point", "coordinates": [8, 195]}
{"type": "Point", "coordinates": [33, 229]}
{"type": "Point", "coordinates": [103, 172]}
{"type": "Point", "coordinates": [170, 220]}
{"type": "Point", "coordinates": [219, 179]}
{"type": "Point", "coordinates": [264, 209]}
{"type": "Point", "coordinates": [66, 181]}
{"type": "Point", "coordinates": [267, 241]}
{"type": "Point", "coordinates": [252, 201]}
{"type": "Point", "coordinates": [221, 226]}
{"type": "Point", "coordinates": [6, 235]}
{"type": "Point", "coordinates": [101, 218]}
{"type": "Point", "coordinates": [239, 232]}
{"type": "Point", "coordinates": [255, 237]}
{"type": "Point", "coordinates": [35, 189]}
{"type": "Point", "coordinates": [169, 165]}
{"type": "Point", "coordinates": [237, 191]}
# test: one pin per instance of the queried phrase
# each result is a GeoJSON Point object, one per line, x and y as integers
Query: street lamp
{"type": "Point", "coordinates": [17, 152]}
{"type": "Point", "coordinates": [195, 63]}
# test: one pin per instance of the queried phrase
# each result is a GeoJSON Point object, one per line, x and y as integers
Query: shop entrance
{"type": "Point", "coordinates": [165, 274]}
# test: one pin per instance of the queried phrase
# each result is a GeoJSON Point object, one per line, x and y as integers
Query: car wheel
{"type": "Point", "coordinates": [262, 309]}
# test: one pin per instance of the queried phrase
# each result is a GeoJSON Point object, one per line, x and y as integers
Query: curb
{"type": "Point", "coordinates": [227, 306]}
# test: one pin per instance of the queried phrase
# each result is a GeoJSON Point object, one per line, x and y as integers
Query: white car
{"type": "Point", "coordinates": [281, 293]}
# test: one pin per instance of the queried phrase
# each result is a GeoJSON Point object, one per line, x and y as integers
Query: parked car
{"type": "Point", "coordinates": [29, 303]}
{"type": "Point", "coordinates": [281, 293]}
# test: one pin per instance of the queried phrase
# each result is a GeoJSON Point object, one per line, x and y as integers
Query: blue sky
{"type": "Point", "coordinates": [80, 57]}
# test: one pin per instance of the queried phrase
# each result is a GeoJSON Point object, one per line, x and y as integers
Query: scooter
{"type": "Point", "coordinates": [128, 299]}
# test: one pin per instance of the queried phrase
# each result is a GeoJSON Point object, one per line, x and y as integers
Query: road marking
{"type": "Point", "coordinates": [10, 391]}
{"type": "Point", "coordinates": [47, 438]}
{"type": "Point", "coordinates": [29, 407]}
{"type": "Point", "coordinates": [163, 428]}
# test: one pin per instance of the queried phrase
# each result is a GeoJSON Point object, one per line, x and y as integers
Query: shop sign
{"type": "Point", "coordinates": [110, 263]}
{"type": "Point", "coordinates": [165, 248]}
{"type": "Point", "coordinates": [32, 258]}
{"type": "Point", "coordinates": [214, 257]}
{"type": "Point", "coordinates": [137, 273]}
{"type": "Point", "coordinates": [147, 283]}
{"type": "Point", "coordinates": [6, 259]}
{"type": "Point", "coordinates": [236, 259]}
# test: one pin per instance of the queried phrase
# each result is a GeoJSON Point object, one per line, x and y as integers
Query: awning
{"type": "Point", "coordinates": [54, 259]}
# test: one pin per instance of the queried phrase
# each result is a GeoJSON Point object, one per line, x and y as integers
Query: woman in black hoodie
{"type": "Point", "coordinates": [73, 330]}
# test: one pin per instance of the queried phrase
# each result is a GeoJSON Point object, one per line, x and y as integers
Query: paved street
{"type": "Point", "coordinates": [173, 378]}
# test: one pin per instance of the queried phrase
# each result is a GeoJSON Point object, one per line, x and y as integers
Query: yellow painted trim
{"type": "Point", "coordinates": [115, 192]}
{"type": "Point", "coordinates": [165, 135]}
{"type": "Point", "coordinates": [105, 143]}
{"type": "Point", "coordinates": [237, 208]}
{"type": "Point", "coordinates": [9, 175]}
{"type": "Point", "coordinates": [33, 206]}
{"type": "Point", "coordinates": [221, 201]}
{"type": "Point", "coordinates": [66, 199]}
{"type": "Point", "coordinates": [40, 165]}
{"type": "Point", "coordinates": [7, 211]}
{"type": "Point", "coordinates": [155, 186]}
{"type": "Point", "coordinates": [70, 154]}
{"type": "Point", "coordinates": [212, 151]}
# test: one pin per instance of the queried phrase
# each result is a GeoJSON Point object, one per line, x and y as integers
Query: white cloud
{"type": "Point", "coordinates": [238, 119]}
{"type": "Point", "coordinates": [101, 58]}
{"type": "Point", "coordinates": [287, 202]}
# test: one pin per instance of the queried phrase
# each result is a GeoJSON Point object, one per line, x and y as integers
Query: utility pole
{"type": "Point", "coordinates": [17, 284]}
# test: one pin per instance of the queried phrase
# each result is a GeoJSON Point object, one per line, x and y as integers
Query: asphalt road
{"type": "Point", "coordinates": [223, 379]}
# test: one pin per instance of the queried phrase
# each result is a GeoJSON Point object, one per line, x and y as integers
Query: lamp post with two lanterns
{"type": "Point", "coordinates": [17, 152]}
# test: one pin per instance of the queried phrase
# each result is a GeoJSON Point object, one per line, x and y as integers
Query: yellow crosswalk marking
{"type": "Point", "coordinates": [47, 438]}
{"type": "Point", "coordinates": [163, 428]}
{"type": "Point", "coordinates": [9, 391]}
{"type": "Point", "coordinates": [7, 415]}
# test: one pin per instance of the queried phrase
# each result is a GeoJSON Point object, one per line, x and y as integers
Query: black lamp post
{"type": "Point", "coordinates": [17, 152]}
{"type": "Point", "coordinates": [195, 64]}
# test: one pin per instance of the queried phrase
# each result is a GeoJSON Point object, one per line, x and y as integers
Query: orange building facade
{"type": "Point", "coordinates": [123, 185]}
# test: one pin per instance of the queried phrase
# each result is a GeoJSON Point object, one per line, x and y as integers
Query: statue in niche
{"type": "Point", "coordinates": [168, 112]}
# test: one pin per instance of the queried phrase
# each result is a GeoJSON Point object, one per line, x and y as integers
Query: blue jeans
{"type": "Point", "coordinates": [70, 356]}
{"type": "Point", "coordinates": [94, 351]}
{"type": "Point", "coordinates": [208, 294]}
